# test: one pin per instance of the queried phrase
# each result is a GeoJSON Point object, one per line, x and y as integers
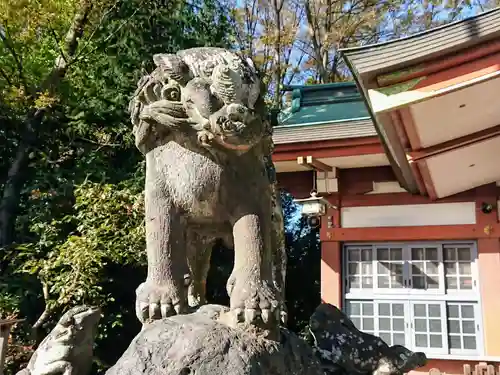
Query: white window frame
{"type": "Point", "coordinates": [409, 296]}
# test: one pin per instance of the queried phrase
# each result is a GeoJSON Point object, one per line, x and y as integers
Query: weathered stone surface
{"type": "Point", "coordinates": [196, 344]}
{"type": "Point", "coordinates": [68, 348]}
{"type": "Point", "coordinates": [201, 122]}
{"type": "Point", "coordinates": [343, 349]}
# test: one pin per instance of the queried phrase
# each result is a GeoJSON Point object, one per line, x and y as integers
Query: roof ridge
{"type": "Point", "coordinates": [423, 33]}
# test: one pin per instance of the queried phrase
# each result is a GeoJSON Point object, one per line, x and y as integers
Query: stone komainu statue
{"type": "Point", "coordinates": [200, 120]}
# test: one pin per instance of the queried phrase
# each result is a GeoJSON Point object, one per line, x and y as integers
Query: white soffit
{"type": "Point", "coordinates": [465, 168]}
{"type": "Point", "coordinates": [386, 187]}
{"type": "Point", "coordinates": [458, 113]}
{"type": "Point", "coordinates": [409, 215]}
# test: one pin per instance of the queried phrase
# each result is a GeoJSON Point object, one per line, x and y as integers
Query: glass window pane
{"type": "Point", "coordinates": [353, 268]}
{"type": "Point", "coordinates": [384, 309]}
{"type": "Point", "coordinates": [417, 254]}
{"type": "Point", "coordinates": [431, 253]}
{"type": "Point", "coordinates": [366, 268]}
{"type": "Point", "coordinates": [418, 282]}
{"type": "Point", "coordinates": [383, 268]}
{"type": "Point", "coordinates": [436, 341]}
{"type": "Point", "coordinates": [432, 282]}
{"type": "Point", "coordinates": [366, 254]}
{"type": "Point", "coordinates": [419, 310]}
{"type": "Point", "coordinates": [464, 253]}
{"type": "Point", "coordinates": [356, 322]}
{"type": "Point", "coordinates": [421, 341]}
{"type": "Point", "coordinates": [386, 337]}
{"type": "Point", "coordinates": [368, 324]}
{"type": "Point", "coordinates": [367, 282]}
{"type": "Point", "coordinates": [384, 324]}
{"type": "Point", "coordinates": [455, 342]}
{"type": "Point", "coordinates": [420, 325]}
{"type": "Point", "coordinates": [450, 268]}
{"type": "Point", "coordinates": [450, 253]}
{"type": "Point", "coordinates": [453, 311]}
{"type": "Point", "coordinates": [451, 282]}
{"type": "Point", "coordinates": [399, 339]}
{"type": "Point", "coordinates": [398, 309]}
{"type": "Point", "coordinates": [353, 254]}
{"type": "Point", "coordinates": [368, 308]}
{"type": "Point", "coordinates": [465, 283]}
{"type": "Point", "coordinates": [464, 268]}
{"type": "Point", "coordinates": [353, 308]}
{"type": "Point", "coordinates": [432, 268]}
{"type": "Point", "coordinates": [383, 282]}
{"type": "Point", "coordinates": [354, 281]}
{"type": "Point", "coordinates": [396, 268]}
{"type": "Point", "coordinates": [383, 254]}
{"type": "Point", "coordinates": [396, 281]}
{"type": "Point", "coordinates": [434, 311]}
{"type": "Point", "coordinates": [396, 254]}
{"type": "Point", "coordinates": [468, 326]}
{"type": "Point", "coordinates": [417, 268]}
{"type": "Point", "coordinates": [470, 342]}
{"type": "Point", "coordinates": [398, 324]}
{"type": "Point", "coordinates": [434, 325]}
{"type": "Point", "coordinates": [467, 311]}
{"type": "Point", "coordinates": [454, 326]}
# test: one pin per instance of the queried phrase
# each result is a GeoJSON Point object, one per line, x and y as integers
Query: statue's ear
{"type": "Point", "coordinates": [173, 66]}
{"type": "Point", "coordinates": [163, 59]}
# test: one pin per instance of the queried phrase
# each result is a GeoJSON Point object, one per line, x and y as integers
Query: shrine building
{"type": "Point", "coordinates": [408, 157]}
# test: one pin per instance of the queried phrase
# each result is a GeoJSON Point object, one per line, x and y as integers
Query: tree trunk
{"type": "Point", "coordinates": [18, 172]}
{"type": "Point", "coordinates": [16, 178]}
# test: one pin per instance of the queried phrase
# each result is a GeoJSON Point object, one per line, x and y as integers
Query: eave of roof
{"type": "Point", "coordinates": [392, 55]}
{"type": "Point", "coordinates": [403, 175]}
{"type": "Point", "coordinates": [319, 87]}
{"type": "Point", "coordinates": [356, 128]}
{"type": "Point", "coordinates": [369, 61]}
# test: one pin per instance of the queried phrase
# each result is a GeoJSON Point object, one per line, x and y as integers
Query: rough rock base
{"type": "Point", "coordinates": [197, 344]}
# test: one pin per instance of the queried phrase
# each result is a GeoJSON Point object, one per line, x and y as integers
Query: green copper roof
{"type": "Point", "coordinates": [323, 104]}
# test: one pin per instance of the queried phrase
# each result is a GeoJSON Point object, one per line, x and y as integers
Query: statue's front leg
{"type": "Point", "coordinates": [163, 293]}
{"type": "Point", "coordinates": [253, 295]}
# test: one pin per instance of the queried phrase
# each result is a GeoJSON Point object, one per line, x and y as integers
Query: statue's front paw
{"type": "Point", "coordinates": [158, 301]}
{"type": "Point", "coordinates": [255, 302]}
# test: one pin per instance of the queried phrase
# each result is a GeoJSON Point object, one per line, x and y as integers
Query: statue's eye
{"type": "Point", "coordinates": [171, 93]}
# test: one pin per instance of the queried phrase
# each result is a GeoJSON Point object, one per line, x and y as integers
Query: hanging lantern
{"type": "Point", "coordinates": [313, 206]}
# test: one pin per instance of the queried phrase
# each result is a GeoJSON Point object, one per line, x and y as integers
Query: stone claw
{"type": "Point", "coordinates": [157, 302]}
{"type": "Point", "coordinates": [254, 303]}
{"type": "Point", "coordinates": [283, 317]}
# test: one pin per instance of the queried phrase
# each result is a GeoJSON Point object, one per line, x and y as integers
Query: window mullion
{"type": "Point", "coordinates": [442, 284]}
{"type": "Point", "coordinates": [444, 326]}
{"type": "Point", "coordinates": [406, 266]}
{"type": "Point", "coordinates": [409, 327]}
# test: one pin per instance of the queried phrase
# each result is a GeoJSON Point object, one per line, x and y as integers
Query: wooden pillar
{"type": "Point", "coordinates": [488, 269]}
{"type": "Point", "coordinates": [4, 339]}
{"type": "Point", "coordinates": [5, 326]}
{"type": "Point", "coordinates": [331, 273]}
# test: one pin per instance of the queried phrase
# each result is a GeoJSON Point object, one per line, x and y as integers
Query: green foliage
{"type": "Point", "coordinates": [79, 229]}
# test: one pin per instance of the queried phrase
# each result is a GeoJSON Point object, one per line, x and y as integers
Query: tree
{"type": "Point", "coordinates": [79, 228]}
{"type": "Point", "coordinates": [266, 31]}
{"type": "Point", "coordinates": [39, 58]}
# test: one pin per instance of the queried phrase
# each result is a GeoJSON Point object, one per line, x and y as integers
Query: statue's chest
{"type": "Point", "coordinates": [193, 180]}
{"type": "Point", "coordinates": [54, 353]}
